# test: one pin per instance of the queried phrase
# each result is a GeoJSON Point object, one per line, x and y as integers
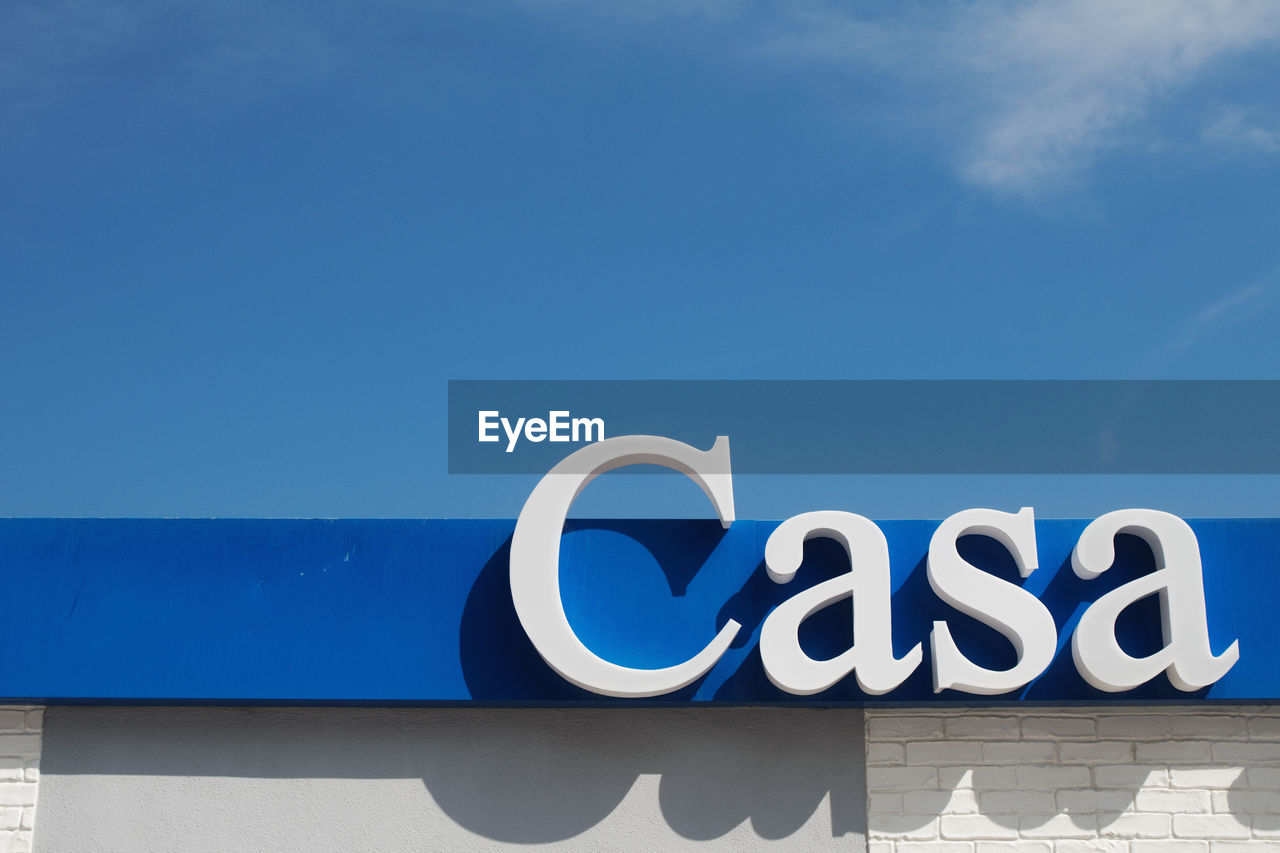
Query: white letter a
{"type": "Point", "coordinates": [1179, 581]}
{"type": "Point", "coordinates": [867, 582]}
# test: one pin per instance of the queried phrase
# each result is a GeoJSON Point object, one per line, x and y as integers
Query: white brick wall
{"type": "Point", "coordinates": [1199, 780]}
{"type": "Point", "coordinates": [20, 729]}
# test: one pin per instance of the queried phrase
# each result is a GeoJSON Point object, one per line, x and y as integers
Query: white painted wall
{"type": "Point", "coordinates": [1199, 780]}
{"type": "Point", "coordinates": [1042, 780]}
{"type": "Point", "coordinates": [19, 773]}
{"type": "Point", "coordinates": [298, 779]}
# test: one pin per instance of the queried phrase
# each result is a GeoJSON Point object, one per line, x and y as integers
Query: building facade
{"type": "Point", "coordinates": [1168, 778]}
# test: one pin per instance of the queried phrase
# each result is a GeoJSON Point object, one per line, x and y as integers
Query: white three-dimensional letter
{"type": "Point", "coordinates": [867, 582]}
{"type": "Point", "coordinates": [535, 560]}
{"type": "Point", "coordinates": [1178, 579]}
{"type": "Point", "coordinates": [1010, 609]}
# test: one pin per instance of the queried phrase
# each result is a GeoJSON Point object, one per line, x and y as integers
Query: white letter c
{"type": "Point", "coordinates": [535, 561]}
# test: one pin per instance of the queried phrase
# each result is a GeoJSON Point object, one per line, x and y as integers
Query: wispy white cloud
{"type": "Point", "coordinates": [1218, 316]}
{"type": "Point", "coordinates": [1239, 127]}
{"type": "Point", "coordinates": [51, 49]}
{"type": "Point", "coordinates": [1030, 93]}
{"type": "Point", "coordinates": [42, 44]}
{"type": "Point", "coordinates": [1060, 81]}
{"type": "Point", "coordinates": [822, 33]}
{"type": "Point", "coordinates": [1021, 94]}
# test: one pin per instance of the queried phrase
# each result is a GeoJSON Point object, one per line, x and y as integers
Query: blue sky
{"type": "Point", "coordinates": [243, 248]}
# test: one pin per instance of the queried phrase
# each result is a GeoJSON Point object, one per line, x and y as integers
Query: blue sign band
{"type": "Point", "coordinates": [382, 612]}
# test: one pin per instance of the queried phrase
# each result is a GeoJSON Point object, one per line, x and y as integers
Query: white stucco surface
{"type": "Point", "coordinates": [217, 779]}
